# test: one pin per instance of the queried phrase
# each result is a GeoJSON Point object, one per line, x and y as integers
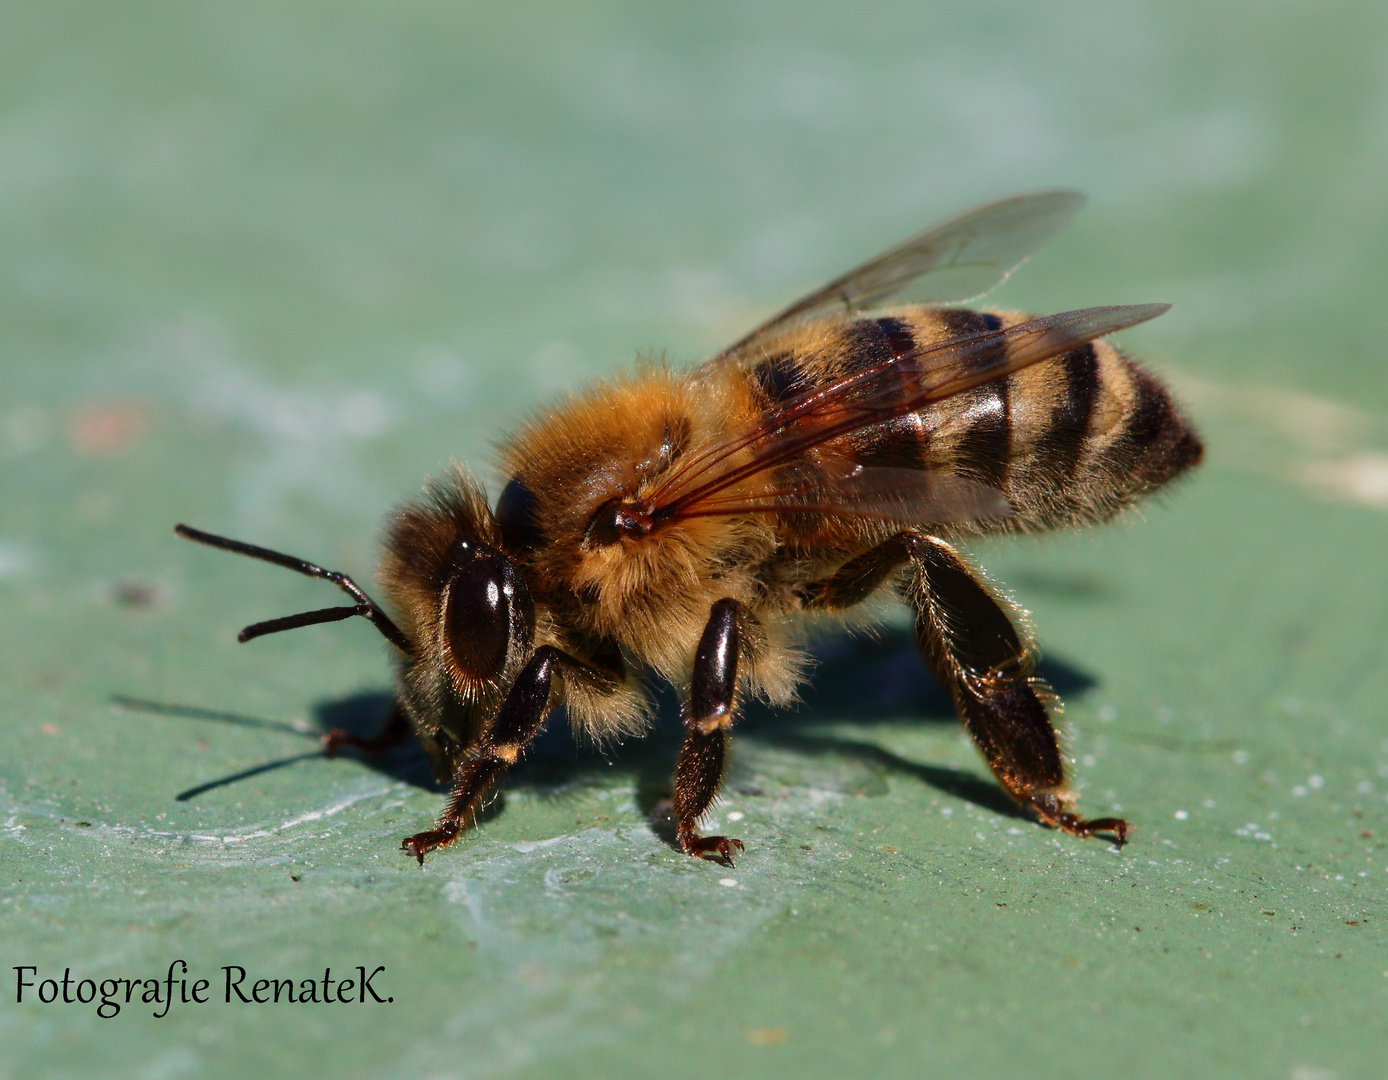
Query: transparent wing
{"type": "Point", "coordinates": [958, 260]}
{"type": "Point", "coordinates": [894, 388]}
{"type": "Point", "coordinates": [846, 488]}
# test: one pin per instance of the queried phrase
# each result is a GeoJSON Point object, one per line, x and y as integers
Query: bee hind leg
{"type": "Point", "coordinates": [973, 646]}
{"type": "Point", "coordinates": [708, 721]}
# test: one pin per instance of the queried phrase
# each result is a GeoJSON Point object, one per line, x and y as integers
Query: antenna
{"type": "Point", "coordinates": [364, 606]}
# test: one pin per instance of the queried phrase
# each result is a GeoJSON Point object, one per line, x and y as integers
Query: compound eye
{"type": "Point", "coordinates": [516, 517]}
{"type": "Point", "coordinates": [478, 616]}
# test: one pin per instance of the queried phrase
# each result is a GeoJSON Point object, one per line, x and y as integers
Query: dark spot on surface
{"type": "Point", "coordinates": [870, 343]}
{"type": "Point", "coordinates": [137, 593]}
{"type": "Point", "coordinates": [961, 322]}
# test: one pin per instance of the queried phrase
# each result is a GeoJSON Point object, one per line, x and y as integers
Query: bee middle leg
{"type": "Point", "coordinates": [708, 720]}
{"type": "Point", "coordinates": [973, 647]}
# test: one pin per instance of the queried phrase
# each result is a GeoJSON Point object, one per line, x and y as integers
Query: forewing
{"type": "Point", "coordinates": [902, 385]}
{"type": "Point", "coordinates": [847, 489]}
{"type": "Point", "coordinates": [958, 260]}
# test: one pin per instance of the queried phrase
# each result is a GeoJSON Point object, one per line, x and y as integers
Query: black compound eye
{"type": "Point", "coordinates": [479, 616]}
{"type": "Point", "coordinates": [516, 517]}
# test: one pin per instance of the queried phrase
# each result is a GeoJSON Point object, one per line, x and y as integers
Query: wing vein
{"type": "Point", "coordinates": [820, 414]}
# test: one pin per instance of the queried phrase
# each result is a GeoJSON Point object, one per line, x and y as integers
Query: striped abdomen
{"type": "Point", "coordinates": [1068, 440]}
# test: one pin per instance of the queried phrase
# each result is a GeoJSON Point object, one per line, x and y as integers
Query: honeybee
{"type": "Point", "coordinates": [694, 525]}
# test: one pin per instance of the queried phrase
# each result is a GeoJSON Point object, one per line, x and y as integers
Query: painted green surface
{"type": "Point", "coordinates": [265, 266]}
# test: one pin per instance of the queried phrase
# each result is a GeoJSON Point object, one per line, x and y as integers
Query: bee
{"type": "Point", "coordinates": [694, 525]}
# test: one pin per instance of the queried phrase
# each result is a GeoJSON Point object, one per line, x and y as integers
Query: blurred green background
{"type": "Point", "coordinates": [264, 266]}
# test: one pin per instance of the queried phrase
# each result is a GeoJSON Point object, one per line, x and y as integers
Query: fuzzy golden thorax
{"type": "Point", "coordinates": [651, 595]}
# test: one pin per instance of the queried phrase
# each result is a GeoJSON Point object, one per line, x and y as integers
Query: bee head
{"type": "Point", "coordinates": [463, 604]}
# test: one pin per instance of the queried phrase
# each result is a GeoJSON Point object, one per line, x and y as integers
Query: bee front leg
{"type": "Point", "coordinates": [522, 714]}
{"type": "Point", "coordinates": [397, 731]}
{"type": "Point", "coordinates": [707, 721]}
{"type": "Point", "coordinates": [973, 647]}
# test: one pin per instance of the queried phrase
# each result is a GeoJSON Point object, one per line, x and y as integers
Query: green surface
{"type": "Point", "coordinates": [265, 266]}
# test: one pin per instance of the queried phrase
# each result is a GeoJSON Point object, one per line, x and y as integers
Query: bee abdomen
{"type": "Point", "coordinates": [1072, 439]}
{"type": "Point", "coordinates": [969, 433]}
{"type": "Point", "coordinates": [1091, 433]}
{"type": "Point", "coordinates": [1150, 442]}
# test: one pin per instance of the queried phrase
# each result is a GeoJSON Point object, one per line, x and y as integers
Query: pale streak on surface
{"type": "Point", "coordinates": [16, 560]}
{"type": "Point", "coordinates": [1328, 450]}
{"type": "Point", "coordinates": [13, 827]}
{"type": "Point", "coordinates": [308, 434]}
{"type": "Point", "coordinates": [1359, 478]}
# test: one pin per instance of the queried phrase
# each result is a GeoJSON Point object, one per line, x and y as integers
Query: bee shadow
{"type": "Point", "coordinates": [361, 714]}
{"type": "Point", "coordinates": [879, 678]}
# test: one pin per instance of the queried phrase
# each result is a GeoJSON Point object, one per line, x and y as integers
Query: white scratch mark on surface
{"type": "Point", "coordinates": [337, 807]}
{"type": "Point", "coordinates": [527, 846]}
{"type": "Point", "coordinates": [101, 830]}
